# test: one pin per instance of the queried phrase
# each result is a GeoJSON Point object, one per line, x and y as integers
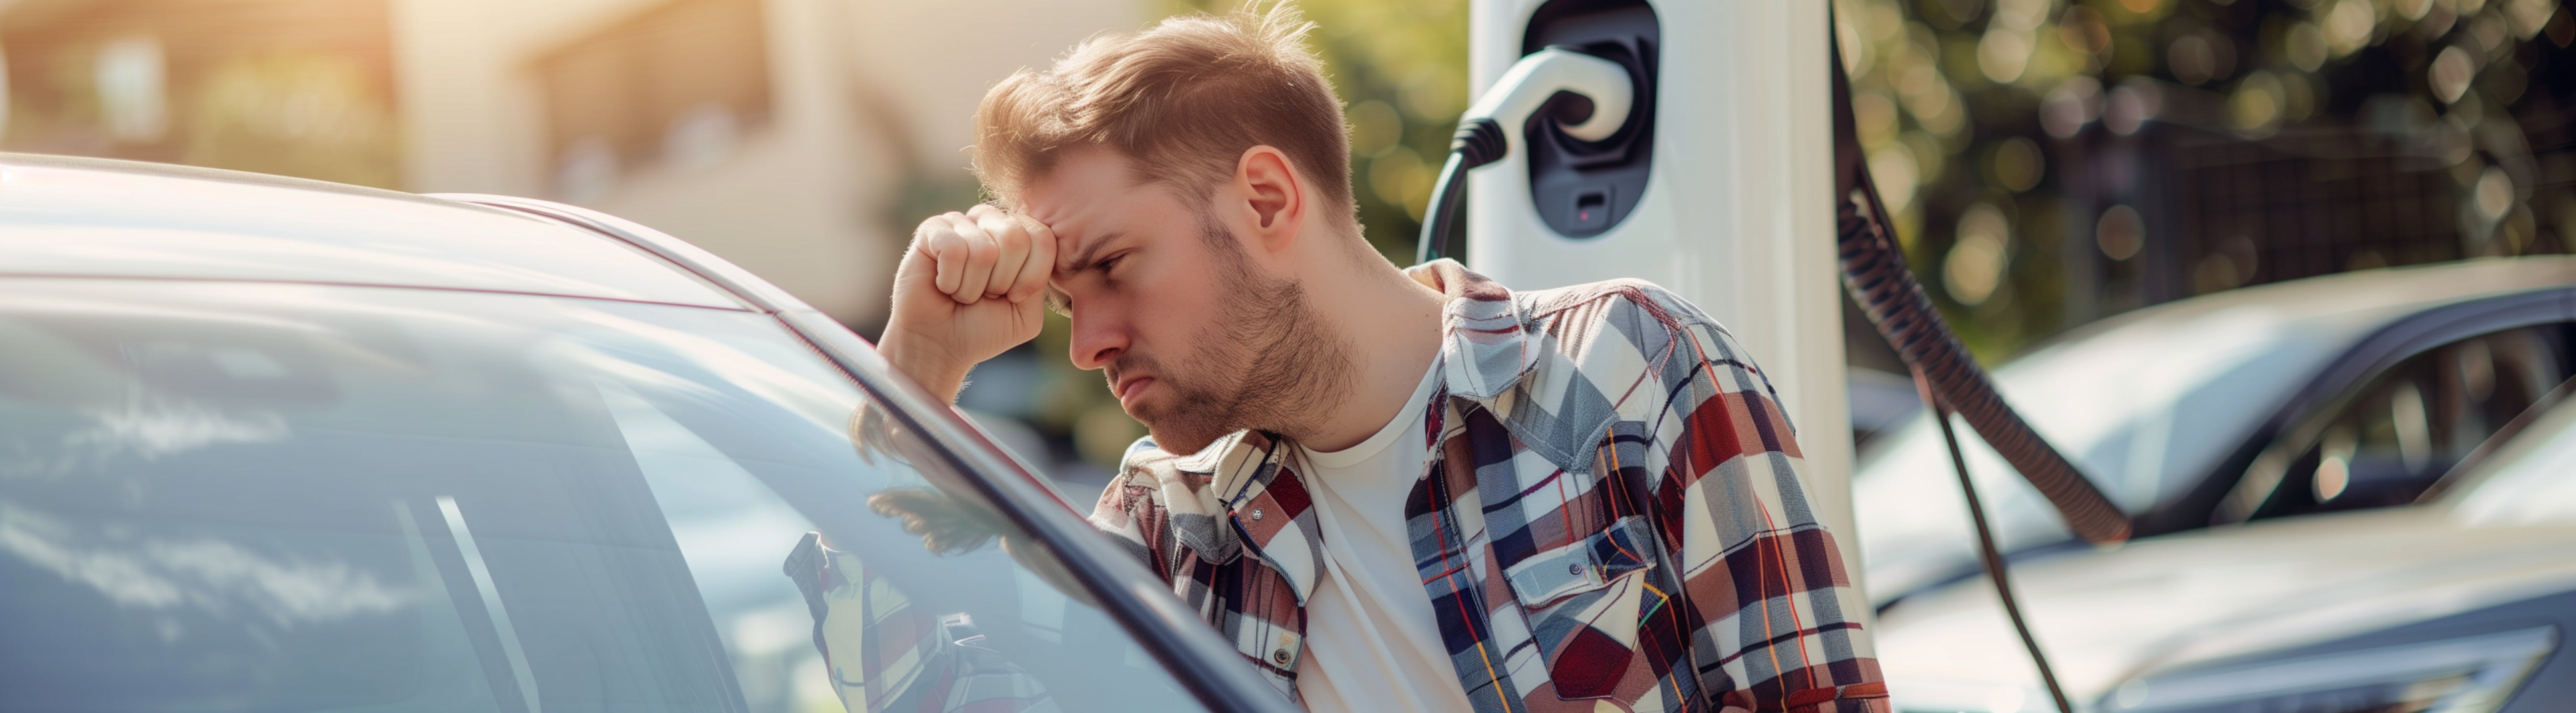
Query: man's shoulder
{"type": "Point", "coordinates": [1592, 304]}
{"type": "Point", "coordinates": [1614, 329]}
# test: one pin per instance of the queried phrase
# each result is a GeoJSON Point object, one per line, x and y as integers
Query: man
{"type": "Point", "coordinates": [1392, 489]}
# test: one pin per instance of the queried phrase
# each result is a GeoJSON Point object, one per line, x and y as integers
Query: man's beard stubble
{"type": "Point", "coordinates": [1271, 365]}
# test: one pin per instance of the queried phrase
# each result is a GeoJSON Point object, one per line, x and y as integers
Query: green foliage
{"type": "Point", "coordinates": [1951, 96]}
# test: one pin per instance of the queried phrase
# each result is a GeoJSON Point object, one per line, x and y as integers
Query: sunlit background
{"type": "Point", "coordinates": [2052, 162]}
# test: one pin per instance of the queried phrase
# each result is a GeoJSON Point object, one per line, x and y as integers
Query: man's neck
{"type": "Point", "coordinates": [1392, 327]}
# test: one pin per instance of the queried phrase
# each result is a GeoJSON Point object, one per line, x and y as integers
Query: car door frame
{"type": "Point", "coordinates": [1202, 662]}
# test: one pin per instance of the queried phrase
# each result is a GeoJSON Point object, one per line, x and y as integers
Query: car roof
{"type": "Point", "coordinates": [82, 217]}
{"type": "Point", "coordinates": [2369, 296]}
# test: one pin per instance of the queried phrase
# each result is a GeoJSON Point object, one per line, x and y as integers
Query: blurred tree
{"type": "Point", "coordinates": [2055, 160]}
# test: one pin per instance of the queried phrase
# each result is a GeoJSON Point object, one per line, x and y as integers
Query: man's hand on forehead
{"type": "Point", "coordinates": [969, 289]}
{"type": "Point", "coordinates": [988, 253]}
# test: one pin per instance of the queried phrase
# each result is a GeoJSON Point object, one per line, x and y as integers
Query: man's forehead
{"type": "Point", "coordinates": [1082, 177]}
{"type": "Point", "coordinates": [1091, 198]}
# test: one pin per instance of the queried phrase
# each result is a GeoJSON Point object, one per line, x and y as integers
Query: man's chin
{"type": "Point", "coordinates": [1179, 439]}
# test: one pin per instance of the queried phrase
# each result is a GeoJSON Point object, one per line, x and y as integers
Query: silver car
{"type": "Point", "coordinates": [2460, 603]}
{"type": "Point", "coordinates": [271, 444]}
{"type": "Point", "coordinates": [2336, 393]}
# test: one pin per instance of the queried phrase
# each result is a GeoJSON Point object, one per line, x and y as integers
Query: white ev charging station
{"type": "Point", "coordinates": [1720, 187]}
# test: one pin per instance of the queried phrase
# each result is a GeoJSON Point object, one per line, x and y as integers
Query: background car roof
{"type": "Point", "coordinates": [2371, 296]}
{"type": "Point", "coordinates": [81, 217]}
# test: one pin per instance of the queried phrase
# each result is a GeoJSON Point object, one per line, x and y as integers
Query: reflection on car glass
{"type": "Point", "coordinates": [502, 629]}
{"type": "Point", "coordinates": [895, 656]}
{"type": "Point", "coordinates": [948, 515]}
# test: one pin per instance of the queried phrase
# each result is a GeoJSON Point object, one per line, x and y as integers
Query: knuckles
{"type": "Point", "coordinates": [984, 233]}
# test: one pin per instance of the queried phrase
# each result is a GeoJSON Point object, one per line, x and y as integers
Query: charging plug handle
{"type": "Point", "coordinates": [1531, 82]}
{"type": "Point", "coordinates": [1485, 133]}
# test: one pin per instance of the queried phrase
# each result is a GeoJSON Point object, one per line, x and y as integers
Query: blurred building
{"type": "Point", "coordinates": [798, 138]}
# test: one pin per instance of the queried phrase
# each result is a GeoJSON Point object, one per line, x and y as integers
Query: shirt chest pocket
{"type": "Point", "coordinates": [1584, 602]}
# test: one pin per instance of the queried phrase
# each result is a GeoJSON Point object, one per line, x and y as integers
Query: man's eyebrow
{"type": "Point", "coordinates": [1081, 259]}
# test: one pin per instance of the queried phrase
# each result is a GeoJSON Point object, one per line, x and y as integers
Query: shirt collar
{"type": "Point", "coordinates": [1484, 344]}
{"type": "Point", "coordinates": [1209, 484]}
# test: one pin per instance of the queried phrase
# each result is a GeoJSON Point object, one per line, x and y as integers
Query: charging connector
{"type": "Point", "coordinates": [1485, 133]}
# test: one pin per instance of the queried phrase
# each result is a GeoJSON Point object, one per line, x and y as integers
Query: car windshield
{"type": "Point", "coordinates": [2136, 406]}
{"type": "Point", "coordinates": [258, 497]}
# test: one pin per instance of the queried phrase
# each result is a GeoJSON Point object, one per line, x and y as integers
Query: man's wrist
{"type": "Point", "coordinates": [934, 369]}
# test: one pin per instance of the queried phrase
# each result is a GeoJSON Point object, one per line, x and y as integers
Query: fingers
{"type": "Point", "coordinates": [977, 257]}
{"type": "Point", "coordinates": [1011, 236]}
{"type": "Point", "coordinates": [946, 247]}
{"type": "Point", "coordinates": [1041, 262]}
{"type": "Point", "coordinates": [987, 253]}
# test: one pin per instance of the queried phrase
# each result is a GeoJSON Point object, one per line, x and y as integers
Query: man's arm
{"type": "Point", "coordinates": [970, 287]}
{"type": "Point", "coordinates": [1744, 528]}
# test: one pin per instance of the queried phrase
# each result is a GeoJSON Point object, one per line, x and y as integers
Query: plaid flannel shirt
{"type": "Point", "coordinates": [1613, 514]}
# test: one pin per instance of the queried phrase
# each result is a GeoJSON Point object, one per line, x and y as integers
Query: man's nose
{"type": "Point", "coordinates": [1098, 339]}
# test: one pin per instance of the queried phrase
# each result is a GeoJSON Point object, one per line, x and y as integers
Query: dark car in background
{"type": "Point", "coordinates": [273, 444]}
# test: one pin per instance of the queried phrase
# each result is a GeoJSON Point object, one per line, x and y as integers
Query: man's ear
{"type": "Point", "coordinates": [1273, 193]}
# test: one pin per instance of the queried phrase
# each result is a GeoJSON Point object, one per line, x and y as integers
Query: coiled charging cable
{"type": "Point", "coordinates": [1948, 379]}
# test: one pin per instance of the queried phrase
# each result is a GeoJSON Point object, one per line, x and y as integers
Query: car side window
{"type": "Point", "coordinates": [242, 497]}
{"type": "Point", "coordinates": [2387, 441]}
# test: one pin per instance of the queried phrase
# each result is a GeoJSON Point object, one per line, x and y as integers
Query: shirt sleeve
{"type": "Point", "coordinates": [1764, 582]}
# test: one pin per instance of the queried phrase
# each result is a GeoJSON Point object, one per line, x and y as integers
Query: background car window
{"type": "Point", "coordinates": [2386, 441]}
{"type": "Point", "coordinates": [220, 497]}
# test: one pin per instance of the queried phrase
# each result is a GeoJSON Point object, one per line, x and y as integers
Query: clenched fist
{"type": "Point", "coordinates": [971, 286]}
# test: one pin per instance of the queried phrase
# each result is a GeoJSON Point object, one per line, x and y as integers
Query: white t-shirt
{"type": "Point", "coordinates": [1371, 644]}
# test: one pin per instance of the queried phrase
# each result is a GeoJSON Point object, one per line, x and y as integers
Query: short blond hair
{"type": "Point", "coordinates": [1183, 100]}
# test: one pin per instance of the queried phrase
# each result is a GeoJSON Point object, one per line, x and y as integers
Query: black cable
{"type": "Point", "coordinates": [1478, 142]}
{"type": "Point", "coordinates": [1875, 274]}
{"type": "Point", "coordinates": [1945, 375]}
{"type": "Point", "coordinates": [1446, 196]}
{"type": "Point", "coordinates": [1994, 559]}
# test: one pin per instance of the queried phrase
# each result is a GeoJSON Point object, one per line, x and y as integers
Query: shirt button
{"type": "Point", "coordinates": [1256, 513]}
{"type": "Point", "coordinates": [1280, 656]}
{"type": "Point", "coordinates": [1574, 569]}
